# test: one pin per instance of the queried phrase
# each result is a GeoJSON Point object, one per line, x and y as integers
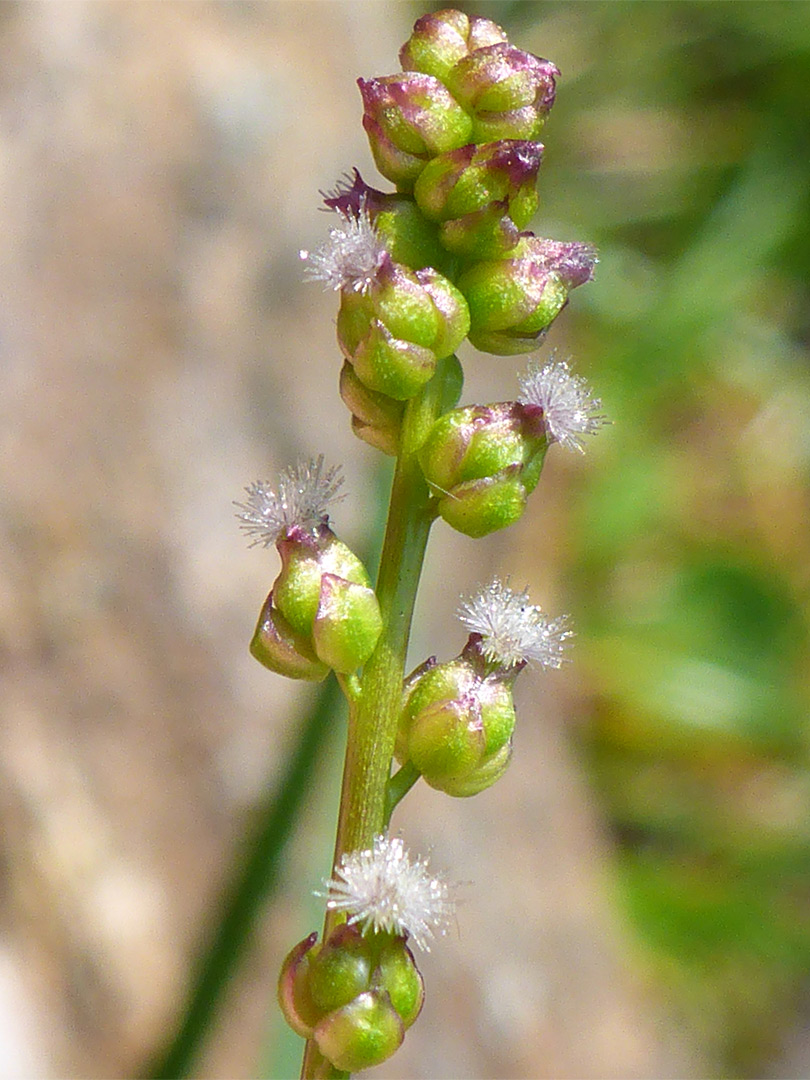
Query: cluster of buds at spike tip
{"type": "Point", "coordinates": [507, 92]}
{"type": "Point", "coordinates": [356, 994]}
{"type": "Point", "coordinates": [483, 461]}
{"type": "Point", "coordinates": [321, 613]}
{"type": "Point", "coordinates": [458, 717]}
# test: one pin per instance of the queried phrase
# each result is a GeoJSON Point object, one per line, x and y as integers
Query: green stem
{"type": "Point", "coordinates": [364, 810]}
{"type": "Point", "coordinates": [398, 787]}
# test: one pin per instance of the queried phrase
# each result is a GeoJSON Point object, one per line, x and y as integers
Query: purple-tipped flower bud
{"type": "Point", "coordinates": [442, 38]}
{"type": "Point", "coordinates": [514, 300]}
{"type": "Point", "coordinates": [456, 724]}
{"type": "Point", "coordinates": [355, 995]}
{"type": "Point", "coordinates": [409, 237]}
{"type": "Point", "coordinates": [394, 333]}
{"type": "Point", "coordinates": [481, 195]}
{"type": "Point", "coordinates": [322, 607]}
{"type": "Point", "coordinates": [457, 718]}
{"type": "Point", "coordinates": [508, 92]}
{"type": "Point", "coordinates": [482, 462]}
{"type": "Point", "coordinates": [410, 118]}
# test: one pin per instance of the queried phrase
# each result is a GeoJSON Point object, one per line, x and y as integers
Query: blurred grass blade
{"type": "Point", "coordinates": [253, 880]}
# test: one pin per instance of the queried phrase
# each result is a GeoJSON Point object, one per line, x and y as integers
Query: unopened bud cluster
{"type": "Point", "coordinates": [445, 257]}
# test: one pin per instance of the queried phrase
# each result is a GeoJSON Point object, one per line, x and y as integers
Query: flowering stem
{"type": "Point", "coordinates": [373, 723]}
{"type": "Point", "coordinates": [364, 805]}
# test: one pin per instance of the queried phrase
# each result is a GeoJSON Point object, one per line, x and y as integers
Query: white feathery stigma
{"type": "Point", "coordinates": [352, 256]}
{"type": "Point", "coordinates": [386, 890]}
{"type": "Point", "coordinates": [512, 629]}
{"type": "Point", "coordinates": [301, 498]}
{"type": "Point", "coordinates": [569, 411]}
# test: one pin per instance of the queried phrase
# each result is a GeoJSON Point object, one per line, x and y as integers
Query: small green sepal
{"type": "Point", "coordinates": [364, 1033]}
{"type": "Point", "coordinates": [325, 595]}
{"type": "Point", "coordinates": [347, 623]}
{"type": "Point", "coordinates": [376, 418]}
{"type": "Point", "coordinates": [278, 647]}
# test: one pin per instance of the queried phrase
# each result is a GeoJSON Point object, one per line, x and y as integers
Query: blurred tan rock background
{"type": "Point", "coordinates": [159, 171]}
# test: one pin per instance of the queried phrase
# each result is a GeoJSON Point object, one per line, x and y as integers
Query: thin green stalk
{"type": "Point", "coordinates": [398, 787]}
{"type": "Point", "coordinates": [364, 807]}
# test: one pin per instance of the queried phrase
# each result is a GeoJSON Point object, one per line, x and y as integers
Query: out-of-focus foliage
{"type": "Point", "coordinates": [680, 144]}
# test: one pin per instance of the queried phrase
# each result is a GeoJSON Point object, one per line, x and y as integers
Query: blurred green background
{"type": "Point", "coordinates": [681, 146]}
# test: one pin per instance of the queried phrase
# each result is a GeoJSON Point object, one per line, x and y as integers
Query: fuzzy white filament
{"type": "Point", "coordinates": [301, 498]}
{"type": "Point", "coordinates": [513, 630]}
{"type": "Point", "coordinates": [384, 889]}
{"type": "Point", "coordinates": [569, 411]}
{"type": "Point", "coordinates": [351, 258]}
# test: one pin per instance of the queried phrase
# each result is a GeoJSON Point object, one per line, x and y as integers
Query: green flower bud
{"type": "Point", "coordinates": [322, 609]}
{"type": "Point", "coordinates": [508, 92]}
{"type": "Point", "coordinates": [394, 332]}
{"type": "Point", "coordinates": [376, 418]}
{"type": "Point", "coordinates": [276, 645]}
{"type": "Point", "coordinates": [324, 593]}
{"type": "Point", "coordinates": [439, 40]}
{"type": "Point", "coordinates": [355, 995]}
{"type": "Point", "coordinates": [512, 301]}
{"type": "Point", "coordinates": [398, 973]}
{"type": "Point", "coordinates": [340, 969]}
{"type": "Point", "coordinates": [457, 722]}
{"type": "Point", "coordinates": [409, 118]}
{"type": "Point", "coordinates": [482, 196]}
{"type": "Point", "coordinates": [362, 1034]}
{"type": "Point", "coordinates": [482, 462]}
{"type": "Point", "coordinates": [408, 236]}
{"type": "Point", "coordinates": [480, 507]}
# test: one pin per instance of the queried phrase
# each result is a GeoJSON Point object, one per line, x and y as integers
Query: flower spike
{"type": "Point", "coordinates": [352, 256]}
{"type": "Point", "coordinates": [569, 411]}
{"type": "Point", "coordinates": [512, 630]}
{"type": "Point", "coordinates": [301, 499]}
{"type": "Point", "coordinates": [386, 890]}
